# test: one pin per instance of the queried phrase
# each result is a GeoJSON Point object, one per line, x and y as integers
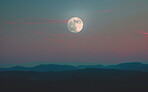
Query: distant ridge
{"type": "Point", "coordinates": [132, 66]}
{"type": "Point", "coordinates": [41, 68]}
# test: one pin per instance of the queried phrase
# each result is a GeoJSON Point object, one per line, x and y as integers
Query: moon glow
{"type": "Point", "coordinates": [75, 25]}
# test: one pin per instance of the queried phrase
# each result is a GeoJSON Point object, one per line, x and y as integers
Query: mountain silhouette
{"type": "Point", "coordinates": [41, 68]}
{"type": "Point", "coordinates": [90, 66]}
{"type": "Point", "coordinates": [81, 80]}
{"type": "Point", "coordinates": [53, 67]}
{"type": "Point", "coordinates": [134, 66]}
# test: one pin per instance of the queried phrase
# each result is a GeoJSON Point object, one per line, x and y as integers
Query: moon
{"type": "Point", "coordinates": [75, 25]}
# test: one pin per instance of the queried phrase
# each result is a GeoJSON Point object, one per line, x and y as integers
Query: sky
{"type": "Point", "coordinates": [35, 32]}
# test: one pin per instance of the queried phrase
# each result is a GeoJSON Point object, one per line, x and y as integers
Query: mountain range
{"type": "Point", "coordinates": [133, 66]}
{"type": "Point", "coordinates": [124, 77]}
{"type": "Point", "coordinates": [80, 80]}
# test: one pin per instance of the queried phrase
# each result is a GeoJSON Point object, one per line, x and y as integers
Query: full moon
{"type": "Point", "coordinates": [75, 25]}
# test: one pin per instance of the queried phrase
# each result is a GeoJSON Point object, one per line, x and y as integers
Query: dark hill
{"type": "Point", "coordinates": [83, 80]}
{"type": "Point", "coordinates": [135, 66]}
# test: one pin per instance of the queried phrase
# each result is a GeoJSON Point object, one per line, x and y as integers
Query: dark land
{"type": "Point", "coordinates": [126, 77]}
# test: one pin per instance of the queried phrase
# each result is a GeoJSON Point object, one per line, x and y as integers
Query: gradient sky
{"type": "Point", "coordinates": [35, 32]}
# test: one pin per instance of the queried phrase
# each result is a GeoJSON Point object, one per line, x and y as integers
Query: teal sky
{"type": "Point", "coordinates": [35, 31]}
